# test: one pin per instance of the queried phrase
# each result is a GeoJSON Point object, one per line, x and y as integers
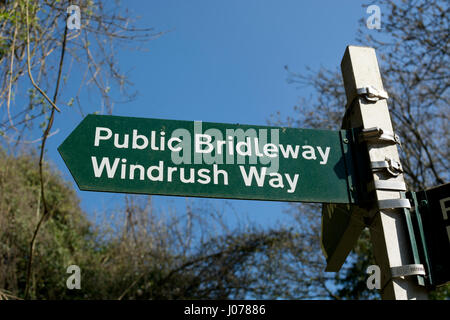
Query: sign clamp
{"type": "Point", "coordinates": [386, 185]}
{"type": "Point", "coordinates": [408, 270]}
{"type": "Point", "coordinates": [371, 93]}
{"type": "Point", "coordinates": [394, 203]}
{"type": "Point", "coordinates": [378, 135]}
{"type": "Point", "coordinates": [390, 165]}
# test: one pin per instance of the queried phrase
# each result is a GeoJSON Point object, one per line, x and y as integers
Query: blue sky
{"type": "Point", "coordinates": [221, 61]}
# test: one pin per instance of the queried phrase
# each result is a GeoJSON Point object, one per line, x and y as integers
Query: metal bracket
{"type": "Point", "coordinates": [386, 185]}
{"type": "Point", "coordinates": [394, 203]}
{"type": "Point", "coordinates": [408, 270]}
{"type": "Point", "coordinates": [378, 135]}
{"type": "Point", "coordinates": [392, 166]}
{"type": "Point", "coordinates": [371, 93]}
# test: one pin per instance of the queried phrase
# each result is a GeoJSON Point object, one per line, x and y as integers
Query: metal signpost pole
{"type": "Point", "coordinates": [367, 109]}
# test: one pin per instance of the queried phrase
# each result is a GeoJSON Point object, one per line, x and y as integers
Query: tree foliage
{"type": "Point", "coordinates": [91, 64]}
{"type": "Point", "coordinates": [137, 251]}
{"type": "Point", "coordinates": [64, 236]}
{"type": "Point", "coordinates": [33, 32]}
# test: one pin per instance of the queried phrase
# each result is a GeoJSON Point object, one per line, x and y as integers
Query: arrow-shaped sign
{"type": "Point", "coordinates": [190, 158]}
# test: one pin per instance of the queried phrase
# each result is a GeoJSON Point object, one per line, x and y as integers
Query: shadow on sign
{"type": "Point", "coordinates": [342, 225]}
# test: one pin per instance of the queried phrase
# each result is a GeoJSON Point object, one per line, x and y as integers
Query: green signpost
{"type": "Point", "coordinates": [189, 158]}
{"type": "Point", "coordinates": [202, 159]}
